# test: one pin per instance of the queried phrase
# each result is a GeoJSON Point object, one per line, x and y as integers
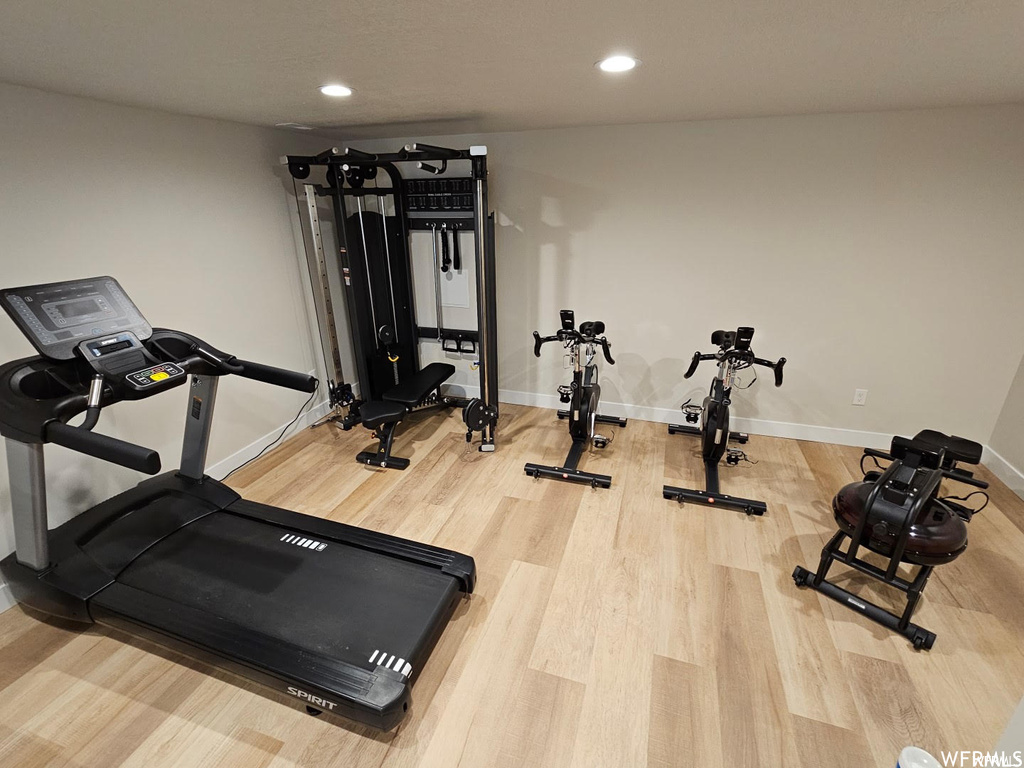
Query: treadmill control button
{"type": "Point", "coordinates": [149, 377]}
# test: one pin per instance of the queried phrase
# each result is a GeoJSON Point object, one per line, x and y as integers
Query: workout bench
{"type": "Point", "coordinates": [382, 417]}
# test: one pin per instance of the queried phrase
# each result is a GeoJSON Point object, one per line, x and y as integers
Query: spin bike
{"type": "Point", "coordinates": [583, 395]}
{"type": "Point", "coordinates": [734, 354]}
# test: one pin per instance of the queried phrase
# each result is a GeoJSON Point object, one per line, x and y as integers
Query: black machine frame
{"type": "Point", "coordinates": [379, 293]}
{"type": "Point", "coordinates": [913, 477]}
{"type": "Point", "coordinates": [733, 354]}
{"type": "Point", "coordinates": [583, 396]}
{"type": "Point", "coordinates": [182, 559]}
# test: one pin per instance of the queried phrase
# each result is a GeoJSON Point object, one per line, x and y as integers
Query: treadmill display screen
{"type": "Point", "coordinates": [79, 308]}
{"type": "Point", "coordinates": [57, 317]}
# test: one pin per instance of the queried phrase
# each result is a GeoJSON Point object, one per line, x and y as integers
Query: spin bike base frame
{"type": "Point", "coordinates": [713, 496]}
{"type": "Point", "coordinates": [569, 471]}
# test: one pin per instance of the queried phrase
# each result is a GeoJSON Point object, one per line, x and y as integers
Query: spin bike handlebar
{"type": "Point", "coordinates": [698, 358]}
{"type": "Point", "coordinates": [576, 337]}
{"type": "Point", "coordinates": [539, 341]}
{"type": "Point", "coordinates": [605, 347]}
{"type": "Point", "coordinates": [777, 367]}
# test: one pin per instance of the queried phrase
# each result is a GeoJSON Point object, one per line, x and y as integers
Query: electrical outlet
{"type": "Point", "coordinates": [860, 396]}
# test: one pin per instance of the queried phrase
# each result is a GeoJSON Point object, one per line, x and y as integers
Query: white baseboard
{"type": "Point", "coordinates": [1004, 470]}
{"type": "Point", "coordinates": [6, 598]}
{"type": "Point", "coordinates": [999, 466]}
{"type": "Point", "coordinates": [238, 458]}
{"type": "Point", "coordinates": [794, 431]}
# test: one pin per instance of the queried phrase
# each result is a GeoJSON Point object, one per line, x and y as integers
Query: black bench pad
{"type": "Point", "coordinates": [412, 391]}
{"type": "Point", "coordinates": [377, 412]}
{"type": "Point", "coordinates": [957, 448]}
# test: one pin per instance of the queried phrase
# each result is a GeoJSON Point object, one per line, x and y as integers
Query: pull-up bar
{"type": "Point", "coordinates": [422, 154]}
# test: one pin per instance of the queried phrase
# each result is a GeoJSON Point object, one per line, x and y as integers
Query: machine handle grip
{"type": "Point", "coordinates": [697, 357]}
{"type": "Point", "coordinates": [777, 367]}
{"type": "Point", "coordinates": [962, 477]}
{"type": "Point", "coordinates": [878, 454]}
{"type": "Point", "coordinates": [778, 371]}
{"type": "Point", "coordinates": [539, 341]}
{"type": "Point", "coordinates": [279, 377]}
{"type": "Point", "coordinates": [223, 364]}
{"type": "Point", "coordinates": [103, 447]}
{"type": "Point", "coordinates": [607, 351]}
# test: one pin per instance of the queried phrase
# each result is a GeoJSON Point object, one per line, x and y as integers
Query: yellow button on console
{"type": "Point", "coordinates": [159, 376]}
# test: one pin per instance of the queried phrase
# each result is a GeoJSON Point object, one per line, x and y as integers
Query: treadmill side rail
{"type": "Point", "coordinates": [379, 698]}
{"type": "Point", "coordinates": [451, 563]}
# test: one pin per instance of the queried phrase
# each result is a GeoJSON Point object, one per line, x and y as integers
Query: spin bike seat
{"type": "Point", "coordinates": [592, 328]}
{"type": "Point", "coordinates": [956, 448]}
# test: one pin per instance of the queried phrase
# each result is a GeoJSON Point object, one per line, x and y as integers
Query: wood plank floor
{"type": "Point", "coordinates": [609, 628]}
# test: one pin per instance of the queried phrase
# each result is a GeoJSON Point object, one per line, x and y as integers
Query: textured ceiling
{"type": "Point", "coordinates": [458, 66]}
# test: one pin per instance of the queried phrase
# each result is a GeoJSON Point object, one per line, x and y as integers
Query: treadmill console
{"type": "Point", "coordinates": [58, 317]}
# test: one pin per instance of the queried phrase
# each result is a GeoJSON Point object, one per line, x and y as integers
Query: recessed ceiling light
{"type": "Point", "coordinates": [335, 90]}
{"type": "Point", "coordinates": [617, 64]}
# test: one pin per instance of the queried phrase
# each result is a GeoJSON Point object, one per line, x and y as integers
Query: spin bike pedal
{"type": "Point", "coordinates": [600, 441]}
{"type": "Point", "coordinates": [734, 456]}
{"type": "Point", "coordinates": [692, 413]}
{"type": "Point", "coordinates": [565, 393]}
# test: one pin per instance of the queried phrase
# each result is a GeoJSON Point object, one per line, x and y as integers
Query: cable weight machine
{"type": "Point", "coordinates": [375, 211]}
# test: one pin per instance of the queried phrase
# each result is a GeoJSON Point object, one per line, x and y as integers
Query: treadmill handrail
{"type": "Point", "coordinates": [104, 447]}
{"type": "Point", "coordinates": [278, 377]}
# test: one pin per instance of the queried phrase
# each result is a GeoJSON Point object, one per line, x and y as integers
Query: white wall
{"type": "Point", "coordinates": [1008, 436]}
{"type": "Point", "coordinates": [195, 218]}
{"type": "Point", "coordinates": [1013, 739]}
{"type": "Point", "coordinates": [877, 251]}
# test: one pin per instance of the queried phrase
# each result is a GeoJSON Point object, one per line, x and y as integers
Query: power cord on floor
{"type": "Point", "coordinates": [277, 439]}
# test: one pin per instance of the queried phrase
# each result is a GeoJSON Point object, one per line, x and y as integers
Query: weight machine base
{"type": "Point", "coordinates": [374, 459]}
{"type": "Point", "coordinates": [832, 552]}
{"type": "Point", "coordinates": [919, 637]}
{"type": "Point", "coordinates": [685, 429]}
{"type": "Point", "coordinates": [749, 506]}
{"type": "Point", "coordinates": [615, 420]}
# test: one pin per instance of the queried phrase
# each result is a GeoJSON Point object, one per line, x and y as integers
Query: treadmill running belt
{"type": "Point", "coordinates": [338, 600]}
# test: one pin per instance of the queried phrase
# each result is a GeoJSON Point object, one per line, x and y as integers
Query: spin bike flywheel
{"type": "Point", "coordinates": [714, 420]}
{"type": "Point", "coordinates": [582, 428]}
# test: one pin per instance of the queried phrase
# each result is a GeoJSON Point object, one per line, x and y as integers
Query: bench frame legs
{"type": "Point", "coordinates": [382, 457]}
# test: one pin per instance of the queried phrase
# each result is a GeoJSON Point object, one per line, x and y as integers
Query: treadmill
{"type": "Point", "coordinates": [339, 619]}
